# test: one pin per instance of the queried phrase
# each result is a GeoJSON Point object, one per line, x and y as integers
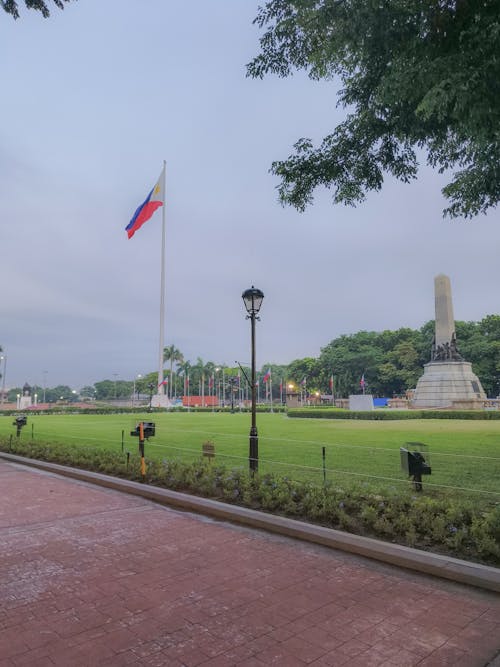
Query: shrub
{"type": "Point", "coordinates": [390, 415]}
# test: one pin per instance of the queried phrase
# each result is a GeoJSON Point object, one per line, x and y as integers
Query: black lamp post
{"type": "Point", "coordinates": [232, 381]}
{"type": "Point", "coordinates": [252, 298]}
{"type": "Point", "coordinates": [151, 388]}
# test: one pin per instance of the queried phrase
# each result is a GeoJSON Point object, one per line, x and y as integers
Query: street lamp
{"type": "Point", "coordinates": [151, 388]}
{"type": "Point", "coordinates": [232, 382]}
{"type": "Point", "coordinates": [138, 377]}
{"type": "Point", "coordinates": [252, 298]}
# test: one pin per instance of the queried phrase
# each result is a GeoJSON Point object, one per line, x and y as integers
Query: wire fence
{"type": "Point", "coordinates": [315, 461]}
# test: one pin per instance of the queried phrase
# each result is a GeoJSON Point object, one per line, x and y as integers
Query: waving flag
{"type": "Point", "coordinates": [154, 200]}
{"type": "Point", "coordinates": [165, 381]}
{"type": "Point", "coordinates": [267, 376]}
{"type": "Point", "coordinates": [331, 382]}
{"type": "Point", "coordinates": [362, 382]}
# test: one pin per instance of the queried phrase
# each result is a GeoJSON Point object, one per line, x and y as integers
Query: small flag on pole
{"type": "Point", "coordinates": [303, 383]}
{"type": "Point", "coordinates": [154, 200]}
{"type": "Point", "coordinates": [165, 382]}
{"type": "Point", "coordinates": [267, 376]}
{"type": "Point", "coordinates": [362, 382]}
{"type": "Point", "coordinates": [331, 382]}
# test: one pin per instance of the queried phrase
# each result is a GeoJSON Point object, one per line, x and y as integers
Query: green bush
{"type": "Point", "coordinates": [444, 523]}
{"type": "Point", "coordinates": [391, 415]}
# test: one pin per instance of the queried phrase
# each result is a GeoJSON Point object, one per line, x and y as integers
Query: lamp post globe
{"type": "Point", "coordinates": [252, 298]}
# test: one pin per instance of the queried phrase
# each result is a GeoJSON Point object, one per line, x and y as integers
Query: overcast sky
{"type": "Point", "coordinates": [94, 99]}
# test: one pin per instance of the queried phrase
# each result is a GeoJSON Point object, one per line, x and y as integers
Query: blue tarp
{"type": "Point", "coordinates": [380, 402]}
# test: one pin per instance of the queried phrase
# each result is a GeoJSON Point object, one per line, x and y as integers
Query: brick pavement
{"type": "Point", "coordinates": [91, 576]}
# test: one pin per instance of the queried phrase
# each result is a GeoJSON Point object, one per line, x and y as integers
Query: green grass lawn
{"type": "Point", "coordinates": [463, 454]}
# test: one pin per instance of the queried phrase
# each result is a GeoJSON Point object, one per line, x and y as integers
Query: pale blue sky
{"type": "Point", "coordinates": [94, 99]}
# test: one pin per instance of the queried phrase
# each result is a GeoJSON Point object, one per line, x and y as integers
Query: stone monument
{"type": "Point", "coordinates": [25, 401]}
{"type": "Point", "coordinates": [448, 380]}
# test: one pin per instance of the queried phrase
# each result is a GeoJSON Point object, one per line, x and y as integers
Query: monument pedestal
{"type": "Point", "coordinates": [160, 401]}
{"type": "Point", "coordinates": [25, 402]}
{"type": "Point", "coordinates": [445, 383]}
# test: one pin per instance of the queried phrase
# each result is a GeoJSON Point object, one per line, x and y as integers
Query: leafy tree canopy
{"type": "Point", "coordinates": [11, 6]}
{"type": "Point", "coordinates": [415, 74]}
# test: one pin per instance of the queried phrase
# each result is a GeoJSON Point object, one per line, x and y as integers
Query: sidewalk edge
{"type": "Point", "coordinates": [447, 567]}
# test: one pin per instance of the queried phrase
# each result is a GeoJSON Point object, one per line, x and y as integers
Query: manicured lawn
{"type": "Point", "coordinates": [463, 454]}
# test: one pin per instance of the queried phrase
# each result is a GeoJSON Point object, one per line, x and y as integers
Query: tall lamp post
{"type": "Point", "coordinates": [137, 377]}
{"type": "Point", "coordinates": [252, 298]}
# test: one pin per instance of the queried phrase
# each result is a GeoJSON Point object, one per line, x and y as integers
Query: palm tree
{"type": "Point", "coordinates": [175, 356]}
{"type": "Point", "coordinates": [184, 369]}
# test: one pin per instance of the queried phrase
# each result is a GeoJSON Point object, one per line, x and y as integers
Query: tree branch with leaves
{"type": "Point", "coordinates": [11, 6]}
{"type": "Point", "coordinates": [416, 75]}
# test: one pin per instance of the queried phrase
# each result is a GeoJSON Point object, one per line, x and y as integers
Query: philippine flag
{"type": "Point", "coordinates": [154, 200]}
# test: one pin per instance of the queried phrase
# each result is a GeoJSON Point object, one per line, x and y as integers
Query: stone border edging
{"type": "Point", "coordinates": [457, 570]}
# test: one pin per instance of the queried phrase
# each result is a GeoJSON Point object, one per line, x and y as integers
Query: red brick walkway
{"type": "Point", "coordinates": [90, 576]}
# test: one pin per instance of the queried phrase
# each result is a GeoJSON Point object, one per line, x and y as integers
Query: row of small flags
{"type": "Point", "coordinates": [265, 379]}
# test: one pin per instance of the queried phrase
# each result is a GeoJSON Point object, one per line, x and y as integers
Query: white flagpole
{"type": "Point", "coordinates": [161, 389]}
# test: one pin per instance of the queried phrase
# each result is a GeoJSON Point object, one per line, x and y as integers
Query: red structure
{"type": "Point", "coordinates": [200, 401]}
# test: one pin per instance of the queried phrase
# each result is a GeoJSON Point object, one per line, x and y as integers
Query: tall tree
{"type": "Point", "coordinates": [11, 6]}
{"type": "Point", "coordinates": [415, 75]}
{"type": "Point", "coordinates": [174, 356]}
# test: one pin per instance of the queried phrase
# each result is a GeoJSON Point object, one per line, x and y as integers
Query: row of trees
{"type": "Point", "coordinates": [391, 363]}
{"type": "Point", "coordinates": [61, 393]}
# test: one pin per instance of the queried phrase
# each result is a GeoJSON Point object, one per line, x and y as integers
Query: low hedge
{"type": "Point", "coordinates": [441, 523]}
{"type": "Point", "coordinates": [381, 415]}
{"type": "Point", "coordinates": [109, 410]}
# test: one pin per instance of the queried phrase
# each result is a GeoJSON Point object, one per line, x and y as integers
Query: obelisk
{"type": "Point", "coordinates": [448, 380]}
{"type": "Point", "coordinates": [445, 322]}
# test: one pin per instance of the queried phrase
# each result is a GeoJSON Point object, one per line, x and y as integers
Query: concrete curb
{"type": "Point", "coordinates": [446, 567]}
